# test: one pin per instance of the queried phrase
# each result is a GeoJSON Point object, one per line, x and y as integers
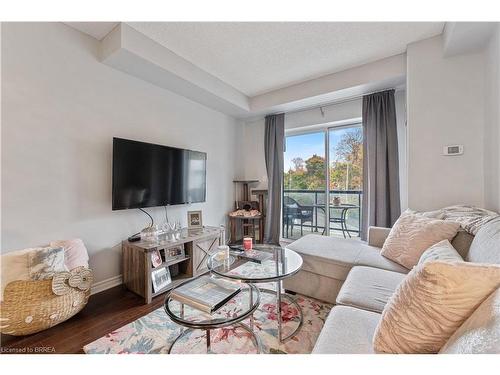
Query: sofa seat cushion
{"type": "Point", "coordinates": [334, 257]}
{"type": "Point", "coordinates": [347, 330]}
{"type": "Point", "coordinates": [325, 257]}
{"type": "Point", "coordinates": [369, 288]}
{"type": "Point", "coordinates": [371, 257]}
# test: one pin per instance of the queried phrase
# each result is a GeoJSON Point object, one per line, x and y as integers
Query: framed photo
{"type": "Point", "coordinates": [160, 278]}
{"type": "Point", "coordinates": [194, 220]}
{"type": "Point", "coordinates": [156, 258]}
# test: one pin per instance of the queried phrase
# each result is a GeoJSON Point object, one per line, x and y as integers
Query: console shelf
{"type": "Point", "coordinates": [138, 268]}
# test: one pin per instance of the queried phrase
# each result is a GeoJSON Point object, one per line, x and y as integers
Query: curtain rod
{"type": "Point", "coordinates": [346, 100]}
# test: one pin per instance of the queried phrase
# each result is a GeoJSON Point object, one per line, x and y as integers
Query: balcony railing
{"type": "Point", "coordinates": [306, 210]}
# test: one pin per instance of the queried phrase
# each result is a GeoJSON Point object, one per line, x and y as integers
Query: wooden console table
{"type": "Point", "coordinates": [137, 264]}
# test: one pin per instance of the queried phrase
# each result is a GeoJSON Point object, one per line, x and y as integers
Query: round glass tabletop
{"type": "Point", "coordinates": [263, 263]}
{"type": "Point", "coordinates": [235, 310]}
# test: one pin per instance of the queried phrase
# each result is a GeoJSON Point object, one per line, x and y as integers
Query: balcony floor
{"type": "Point", "coordinates": [308, 230]}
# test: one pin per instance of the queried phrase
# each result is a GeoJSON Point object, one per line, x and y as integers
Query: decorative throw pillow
{"type": "Point", "coordinates": [412, 234]}
{"type": "Point", "coordinates": [431, 303]}
{"type": "Point", "coordinates": [45, 262]}
{"type": "Point", "coordinates": [75, 253]}
{"type": "Point", "coordinates": [443, 250]}
{"type": "Point", "coordinates": [480, 334]}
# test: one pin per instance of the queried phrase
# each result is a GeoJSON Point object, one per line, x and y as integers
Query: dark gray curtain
{"type": "Point", "coordinates": [273, 148]}
{"type": "Point", "coordinates": [381, 201]}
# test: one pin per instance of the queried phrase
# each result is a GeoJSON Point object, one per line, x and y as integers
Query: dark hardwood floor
{"type": "Point", "coordinates": [105, 312]}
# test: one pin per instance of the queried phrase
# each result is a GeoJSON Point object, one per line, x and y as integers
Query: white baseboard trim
{"type": "Point", "coordinates": [106, 284]}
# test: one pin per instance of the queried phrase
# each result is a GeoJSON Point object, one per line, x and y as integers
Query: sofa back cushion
{"type": "Point", "coordinates": [461, 242]}
{"type": "Point", "coordinates": [480, 334]}
{"type": "Point", "coordinates": [485, 248]}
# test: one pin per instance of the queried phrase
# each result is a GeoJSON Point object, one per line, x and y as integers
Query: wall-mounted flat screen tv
{"type": "Point", "coordinates": [149, 175]}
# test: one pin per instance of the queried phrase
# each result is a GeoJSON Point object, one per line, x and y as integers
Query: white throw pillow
{"type": "Point", "coordinates": [412, 234]}
{"type": "Point", "coordinates": [443, 250]}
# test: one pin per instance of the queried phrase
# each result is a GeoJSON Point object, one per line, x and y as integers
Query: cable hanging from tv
{"type": "Point", "coordinates": [150, 217]}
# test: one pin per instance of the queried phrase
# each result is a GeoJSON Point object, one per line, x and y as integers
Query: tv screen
{"type": "Point", "coordinates": [149, 175]}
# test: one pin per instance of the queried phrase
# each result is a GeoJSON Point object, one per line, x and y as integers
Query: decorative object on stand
{"type": "Point", "coordinates": [150, 234]}
{"type": "Point", "coordinates": [336, 201]}
{"type": "Point", "coordinates": [172, 230]}
{"type": "Point", "coordinates": [194, 220]}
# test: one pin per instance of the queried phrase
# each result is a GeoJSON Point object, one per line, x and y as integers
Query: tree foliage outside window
{"type": "Point", "coordinates": [346, 167]}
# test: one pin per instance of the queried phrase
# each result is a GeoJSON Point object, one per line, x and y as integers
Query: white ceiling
{"type": "Point", "coordinates": [259, 57]}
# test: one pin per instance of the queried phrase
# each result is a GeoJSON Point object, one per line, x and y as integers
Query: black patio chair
{"type": "Point", "coordinates": [292, 210]}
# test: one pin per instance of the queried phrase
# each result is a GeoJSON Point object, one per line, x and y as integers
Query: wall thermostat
{"type": "Point", "coordinates": [453, 150]}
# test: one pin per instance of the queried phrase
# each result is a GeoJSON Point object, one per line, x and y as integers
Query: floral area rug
{"type": "Point", "coordinates": [155, 332]}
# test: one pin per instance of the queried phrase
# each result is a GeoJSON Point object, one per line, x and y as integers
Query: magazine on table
{"type": "Point", "coordinates": [205, 293]}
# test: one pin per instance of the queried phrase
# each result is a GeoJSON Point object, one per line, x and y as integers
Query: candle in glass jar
{"type": "Point", "coordinates": [247, 243]}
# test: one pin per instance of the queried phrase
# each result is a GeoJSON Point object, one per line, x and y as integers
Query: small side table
{"type": "Point", "coordinates": [284, 263]}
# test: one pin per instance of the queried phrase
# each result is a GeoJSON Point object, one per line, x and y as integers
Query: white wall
{"type": "Point", "coordinates": [445, 99]}
{"type": "Point", "coordinates": [254, 162]}
{"type": "Point", "coordinates": [60, 109]}
{"type": "Point", "coordinates": [492, 124]}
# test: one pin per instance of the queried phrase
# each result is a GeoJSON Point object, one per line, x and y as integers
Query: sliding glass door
{"type": "Point", "coordinates": [322, 200]}
{"type": "Point", "coordinates": [346, 179]}
{"type": "Point", "coordinates": [304, 185]}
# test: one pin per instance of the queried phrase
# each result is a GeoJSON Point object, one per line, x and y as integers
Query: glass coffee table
{"type": "Point", "coordinates": [232, 313]}
{"type": "Point", "coordinates": [279, 264]}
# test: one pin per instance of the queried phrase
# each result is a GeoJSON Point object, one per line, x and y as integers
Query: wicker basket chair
{"type": "Point", "coordinates": [33, 306]}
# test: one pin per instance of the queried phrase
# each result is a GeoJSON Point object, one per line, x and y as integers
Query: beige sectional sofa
{"type": "Point", "coordinates": [359, 280]}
